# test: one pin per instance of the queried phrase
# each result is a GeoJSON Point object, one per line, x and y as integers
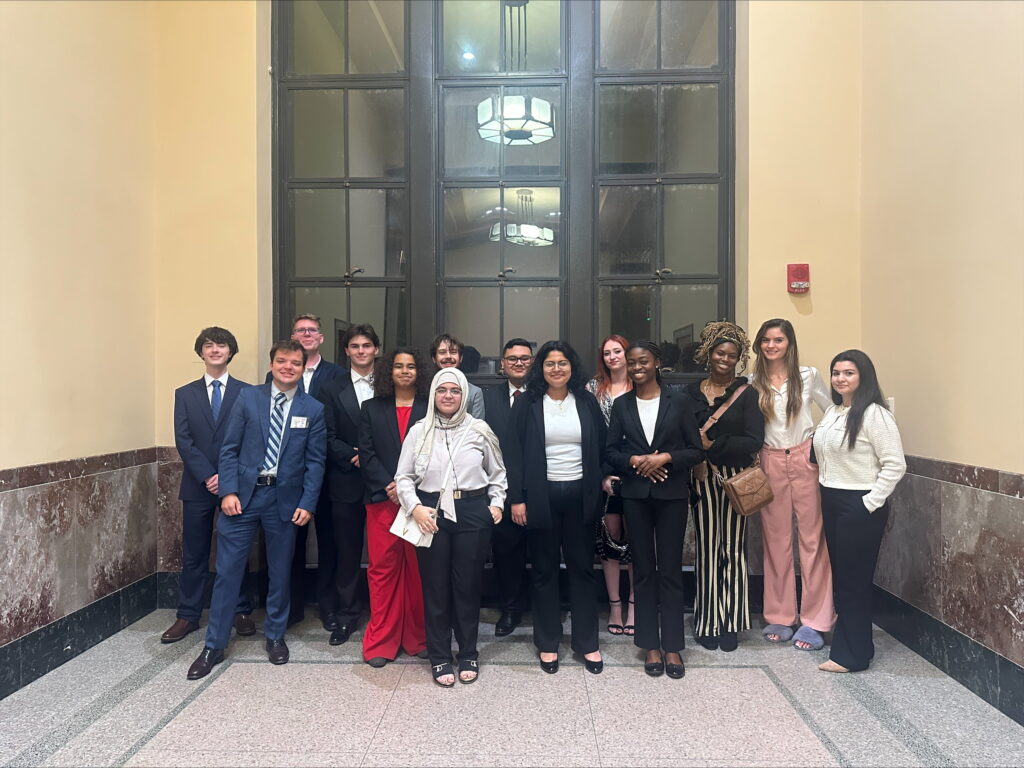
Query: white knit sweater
{"type": "Point", "coordinates": [876, 462]}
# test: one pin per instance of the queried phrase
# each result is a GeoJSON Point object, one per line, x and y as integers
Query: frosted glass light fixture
{"type": "Point", "coordinates": [524, 232]}
{"type": "Point", "coordinates": [515, 120]}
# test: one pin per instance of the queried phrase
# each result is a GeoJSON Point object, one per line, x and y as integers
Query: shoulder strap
{"type": "Point", "coordinates": [725, 407]}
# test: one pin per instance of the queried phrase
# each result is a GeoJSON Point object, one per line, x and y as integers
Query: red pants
{"type": "Point", "coordinates": [396, 597]}
{"type": "Point", "coordinates": [794, 482]}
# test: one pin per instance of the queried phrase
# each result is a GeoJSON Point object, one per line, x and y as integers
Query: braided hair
{"type": "Point", "coordinates": [654, 350]}
{"type": "Point", "coordinates": [718, 332]}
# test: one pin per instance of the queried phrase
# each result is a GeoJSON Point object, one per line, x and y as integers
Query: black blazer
{"type": "Point", "coordinates": [197, 438]}
{"type": "Point", "coordinates": [738, 435]}
{"type": "Point", "coordinates": [324, 373]}
{"type": "Point", "coordinates": [341, 411]}
{"type": "Point", "coordinates": [379, 443]}
{"type": "Point", "coordinates": [675, 432]}
{"type": "Point", "coordinates": [499, 410]}
{"type": "Point", "coordinates": [526, 463]}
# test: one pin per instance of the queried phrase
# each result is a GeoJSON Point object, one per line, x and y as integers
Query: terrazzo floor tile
{"type": "Point", "coordinates": [416, 760]}
{"type": "Point", "coordinates": [711, 710]}
{"type": "Point", "coordinates": [155, 758]}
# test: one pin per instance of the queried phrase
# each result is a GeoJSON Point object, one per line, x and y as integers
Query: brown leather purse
{"type": "Point", "coordinates": [748, 490]}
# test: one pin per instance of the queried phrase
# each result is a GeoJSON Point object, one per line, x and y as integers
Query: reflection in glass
{"type": "Point", "coordinates": [376, 132]}
{"type": "Point", "coordinates": [629, 34]}
{"type": "Point", "coordinates": [386, 309]}
{"type": "Point", "coordinates": [331, 305]}
{"type": "Point", "coordinates": [469, 215]}
{"type": "Point", "coordinates": [473, 315]}
{"type": "Point", "coordinates": [376, 36]}
{"type": "Point", "coordinates": [531, 312]}
{"type": "Point", "coordinates": [318, 37]}
{"type": "Point", "coordinates": [691, 135]}
{"type": "Point", "coordinates": [689, 34]}
{"type": "Point", "coordinates": [471, 35]}
{"type": "Point", "coordinates": [533, 35]}
{"type": "Point", "coordinates": [628, 128]}
{"type": "Point", "coordinates": [685, 309]}
{"type": "Point", "coordinates": [465, 153]}
{"type": "Point", "coordinates": [537, 159]}
{"type": "Point", "coordinates": [377, 232]}
{"type": "Point", "coordinates": [627, 230]}
{"type": "Point", "coordinates": [319, 232]}
{"type": "Point", "coordinates": [691, 228]}
{"type": "Point", "coordinates": [540, 221]}
{"type": "Point", "coordinates": [318, 148]}
{"type": "Point", "coordinates": [625, 310]}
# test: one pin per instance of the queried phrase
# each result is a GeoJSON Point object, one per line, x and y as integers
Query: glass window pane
{"type": "Point", "coordinates": [689, 34]}
{"type": "Point", "coordinates": [377, 234]}
{"type": "Point", "coordinates": [472, 231]}
{"type": "Point", "coordinates": [319, 232]}
{"type": "Point", "coordinates": [690, 219]}
{"type": "Point", "coordinates": [625, 310]}
{"type": "Point", "coordinates": [318, 37]}
{"type": "Point", "coordinates": [628, 128]}
{"type": "Point", "coordinates": [465, 152]}
{"type": "Point", "coordinates": [533, 231]}
{"type": "Point", "coordinates": [376, 36]}
{"type": "Point", "coordinates": [331, 304]}
{"type": "Point", "coordinates": [318, 148]}
{"type": "Point", "coordinates": [533, 119]}
{"type": "Point", "coordinates": [386, 309]}
{"type": "Point", "coordinates": [533, 36]}
{"type": "Point", "coordinates": [685, 309]}
{"type": "Point", "coordinates": [532, 313]}
{"type": "Point", "coordinates": [691, 128]}
{"type": "Point", "coordinates": [627, 230]}
{"type": "Point", "coordinates": [472, 314]}
{"type": "Point", "coordinates": [376, 132]}
{"type": "Point", "coordinates": [629, 34]}
{"type": "Point", "coordinates": [471, 35]}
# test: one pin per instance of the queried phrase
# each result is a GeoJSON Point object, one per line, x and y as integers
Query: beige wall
{"type": "Point", "coordinates": [943, 224]}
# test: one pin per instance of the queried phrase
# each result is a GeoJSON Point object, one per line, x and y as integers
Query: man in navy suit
{"type": "Point", "coordinates": [271, 470]}
{"type": "Point", "coordinates": [307, 330]}
{"type": "Point", "coordinates": [201, 409]}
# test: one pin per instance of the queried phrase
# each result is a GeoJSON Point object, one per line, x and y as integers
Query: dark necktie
{"type": "Point", "coordinates": [215, 400]}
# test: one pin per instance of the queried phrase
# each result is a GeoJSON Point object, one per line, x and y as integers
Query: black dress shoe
{"type": "Point", "coordinates": [377, 662]}
{"type": "Point", "coordinates": [244, 625]}
{"type": "Point", "coordinates": [341, 634]}
{"type": "Point", "coordinates": [594, 667]}
{"type": "Point", "coordinates": [507, 623]}
{"type": "Point", "coordinates": [548, 666]}
{"type": "Point", "coordinates": [277, 651]}
{"type": "Point", "coordinates": [207, 659]}
{"type": "Point", "coordinates": [330, 621]}
{"type": "Point", "coordinates": [675, 671]}
{"type": "Point", "coordinates": [708, 641]}
{"type": "Point", "coordinates": [728, 641]}
{"type": "Point", "coordinates": [654, 668]}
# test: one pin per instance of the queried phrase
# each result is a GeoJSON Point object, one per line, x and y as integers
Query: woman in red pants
{"type": "Point", "coordinates": [396, 597]}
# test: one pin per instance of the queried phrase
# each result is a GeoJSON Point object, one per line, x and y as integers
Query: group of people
{"type": "Point", "coordinates": [441, 475]}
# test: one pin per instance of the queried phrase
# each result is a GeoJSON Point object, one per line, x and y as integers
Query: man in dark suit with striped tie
{"type": "Point", "coordinates": [201, 410]}
{"type": "Point", "coordinates": [271, 470]}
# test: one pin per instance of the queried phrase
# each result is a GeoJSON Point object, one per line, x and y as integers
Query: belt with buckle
{"type": "Point", "coordinates": [469, 494]}
{"type": "Point", "coordinates": [266, 480]}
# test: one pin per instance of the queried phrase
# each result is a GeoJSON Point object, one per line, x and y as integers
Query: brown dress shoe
{"type": "Point", "coordinates": [201, 666]}
{"type": "Point", "coordinates": [244, 625]}
{"type": "Point", "coordinates": [178, 630]}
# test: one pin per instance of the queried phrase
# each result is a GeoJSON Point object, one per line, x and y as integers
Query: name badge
{"type": "Point", "coordinates": [299, 422]}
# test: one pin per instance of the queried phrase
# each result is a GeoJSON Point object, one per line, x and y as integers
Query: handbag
{"type": "Point", "coordinates": [405, 527]}
{"type": "Point", "coordinates": [748, 490]}
{"type": "Point", "coordinates": [605, 546]}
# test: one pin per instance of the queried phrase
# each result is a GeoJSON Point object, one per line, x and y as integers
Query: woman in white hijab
{"type": "Point", "coordinates": [451, 481]}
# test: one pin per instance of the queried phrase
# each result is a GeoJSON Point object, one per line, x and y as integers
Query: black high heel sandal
{"type": "Point", "coordinates": [615, 629]}
{"type": "Point", "coordinates": [629, 629]}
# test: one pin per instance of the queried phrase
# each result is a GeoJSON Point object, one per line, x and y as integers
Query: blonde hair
{"type": "Point", "coordinates": [717, 332]}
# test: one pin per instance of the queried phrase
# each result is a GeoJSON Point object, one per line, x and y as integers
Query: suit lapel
{"type": "Point", "coordinates": [204, 402]}
{"type": "Point", "coordinates": [633, 410]}
{"type": "Point", "coordinates": [314, 381]}
{"type": "Point", "coordinates": [586, 425]}
{"type": "Point", "coordinates": [537, 409]}
{"type": "Point", "coordinates": [264, 408]}
{"type": "Point", "coordinates": [664, 403]}
{"type": "Point", "coordinates": [297, 409]}
{"type": "Point", "coordinates": [349, 401]}
{"type": "Point", "coordinates": [230, 395]}
{"type": "Point", "coordinates": [392, 417]}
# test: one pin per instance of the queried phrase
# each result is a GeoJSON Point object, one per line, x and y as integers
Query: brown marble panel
{"type": "Point", "coordinates": [167, 453]}
{"type": "Point", "coordinates": [910, 561]}
{"type": "Point", "coordinates": [9, 479]}
{"type": "Point", "coordinates": [68, 469]}
{"type": "Point", "coordinates": [952, 472]}
{"type": "Point", "coordinates": [983, 568]}
{"type": "Point", "coordinates": [1011, 484]}
{"type": "Point", "coordinates": [168, 516]}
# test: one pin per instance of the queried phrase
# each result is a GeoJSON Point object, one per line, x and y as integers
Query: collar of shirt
{"type": "Point", "coordinates": [223, 380]}
{"type": "Point", "coordinates": [512, 391]}
{"type": "Point", "coordinates": [289, 395]}
{"type": "Point", "coordinates": [358, 377]}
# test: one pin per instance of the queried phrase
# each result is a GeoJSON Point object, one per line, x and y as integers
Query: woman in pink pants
{"type": "Point", "coordinates": [786, 391]}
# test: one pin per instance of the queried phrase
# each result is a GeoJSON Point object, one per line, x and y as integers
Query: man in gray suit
{"type": "Point", "coordinates": [446, 352]}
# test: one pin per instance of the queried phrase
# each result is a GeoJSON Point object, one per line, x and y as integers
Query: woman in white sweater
{"type": "Point", "coordinates": [860, 461]}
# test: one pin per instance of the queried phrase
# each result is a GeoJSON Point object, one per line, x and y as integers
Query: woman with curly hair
{"type": "Point", "coordinates": [731, 440]}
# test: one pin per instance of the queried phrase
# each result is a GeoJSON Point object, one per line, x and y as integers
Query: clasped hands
{"type": "Point", "coordinates": [651, 465]}
{"type": "Point", "coordinates": [231, 506]}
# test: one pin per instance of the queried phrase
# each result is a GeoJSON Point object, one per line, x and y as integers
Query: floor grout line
{"type": "Point", "coordinates": [383, 714]}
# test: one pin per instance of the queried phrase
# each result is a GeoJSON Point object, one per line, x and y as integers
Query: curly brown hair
{"type": "Point", "coordinates": [384, 384]}
{"type": "Point", "coordinates": [718, 332]}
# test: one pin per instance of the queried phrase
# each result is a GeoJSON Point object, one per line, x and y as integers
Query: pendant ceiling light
{"type": "Point", "coordinates": [524, 232]}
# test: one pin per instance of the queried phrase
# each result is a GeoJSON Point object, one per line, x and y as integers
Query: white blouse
{"type": "Point", "coordinates": [563, 439]}
{"type": "Point", "coordinates": [876, 462]}
{"type": "Point", "coordinates": [648, 410]}
{"type": "Point", "coordinates": [779, 434]}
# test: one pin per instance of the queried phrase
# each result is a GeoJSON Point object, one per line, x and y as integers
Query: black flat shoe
{"type": "Point", "coordinates": [594, 667]}
{"type": "Point", "coordinates": [548, 666]}
{"type": "Point", "coordinates": [654, 668]}
{"type": "Point", "coordinates": [507, 623]}
{"type": "Point", "coordinates": [341, 634]}
{"type": "Point", "coordinates": [708, 641]}
{"type": "Point", "coordinates": [675, 671]}
{"type": "Point", "coordinates": [728, 641]}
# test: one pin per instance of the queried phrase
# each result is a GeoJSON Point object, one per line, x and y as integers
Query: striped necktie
{"type": "Point", "coordinates": [215, 400]}
{"type": "Point", "coordinates": [276, 428]}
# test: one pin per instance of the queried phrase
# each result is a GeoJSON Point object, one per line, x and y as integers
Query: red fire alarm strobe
{"type": "Point", "coordinates": [798, 278]}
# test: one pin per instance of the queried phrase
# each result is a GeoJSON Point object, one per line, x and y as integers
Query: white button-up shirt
{"type": "Point", "coordinates": [779, 434]}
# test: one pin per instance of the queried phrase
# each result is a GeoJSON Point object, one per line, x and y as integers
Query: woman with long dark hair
{"type": "Point", "coordinates": [786, 391]}
{"type": "Point", "coordinates": [556, 441]}
{"type": "Point", "coordinates": [652, 443]}
{"type": "Point", "coordinates": [396, 596]}
{"type": "Point", "coordinates": [731, 441]}
{"type": "Point", "coordinates": [860, 459]}
{"type": "Point", "coordinates": [610, 382]}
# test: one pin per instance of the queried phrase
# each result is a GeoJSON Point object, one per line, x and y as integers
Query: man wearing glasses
{"type": "Point", "coordinates": [508, 541]}
{"type": "Point", "coordinates": [446, 352]}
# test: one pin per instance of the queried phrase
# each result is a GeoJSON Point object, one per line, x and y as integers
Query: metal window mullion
{"type": "Point", "coordinates": [657, 42]}
{"type": "Point", "coordinates": [502, 49]}
{"type": "Point", "coordinates": [348, 36]}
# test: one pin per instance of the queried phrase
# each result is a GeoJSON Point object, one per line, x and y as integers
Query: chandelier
{"type": "Point", "coordinates": [524, 232]}
{"type": "Point", "coordinates": [515, 120]}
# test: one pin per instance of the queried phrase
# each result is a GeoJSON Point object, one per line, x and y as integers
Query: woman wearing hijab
{"type": "Point", "coordinates": [451, 480]}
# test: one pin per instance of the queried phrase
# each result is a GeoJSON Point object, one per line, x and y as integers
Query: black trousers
{"type": "Point", "coordinates": [197, 519]}
{"type": "Point", "coordinates": [571, 539]}
{"type": "Point", "coordinates": [450, 572]}
{"type": "Point", "coordinates": [508, 547]}
{"type": "Point", "coordinates": [656, 531]}
{"type": "Point", "coordinates": [348, 519]}
{"type": "Point", "coordinates": [326, 559]}
{"type": "Point", "coordinates": [853, 536]}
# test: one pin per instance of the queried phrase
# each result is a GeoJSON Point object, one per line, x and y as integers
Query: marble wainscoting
{"type": "Point", "coordinates": [951, 575]}
{"type": "Point", "coordinates": [78, 551]}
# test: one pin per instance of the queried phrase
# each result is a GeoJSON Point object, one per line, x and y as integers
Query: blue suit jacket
{"type": "Point", "coordinates": [325, 372]}
{"type": "Point", "coordinates": [300, 468]}
{"type": "Point", "coordinates": [198, 438]}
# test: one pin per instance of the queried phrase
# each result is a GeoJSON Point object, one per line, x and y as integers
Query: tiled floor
{"type": "Point", "coordinates": [127, 702]}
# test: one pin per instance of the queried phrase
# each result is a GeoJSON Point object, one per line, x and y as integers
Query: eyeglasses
{"type": "Point", "coordinates": [305, 331]}
{"type": "Point", "coordinates": [522, 359]}
{"type": "Point", "coordinates": [550, 365]}
{"type": "Point", "coordinates": [442, 391]}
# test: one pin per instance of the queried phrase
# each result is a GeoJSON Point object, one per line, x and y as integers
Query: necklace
{"type": "Point", "coordinates": [560, 405]}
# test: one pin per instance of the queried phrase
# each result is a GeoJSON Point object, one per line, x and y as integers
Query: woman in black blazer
{"type": "Point", "coordinates": [652, 443]}
{"type": "Point", "coordinates": [396, 596]}
{"type": "Point", "coordinates": [554, 463]}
